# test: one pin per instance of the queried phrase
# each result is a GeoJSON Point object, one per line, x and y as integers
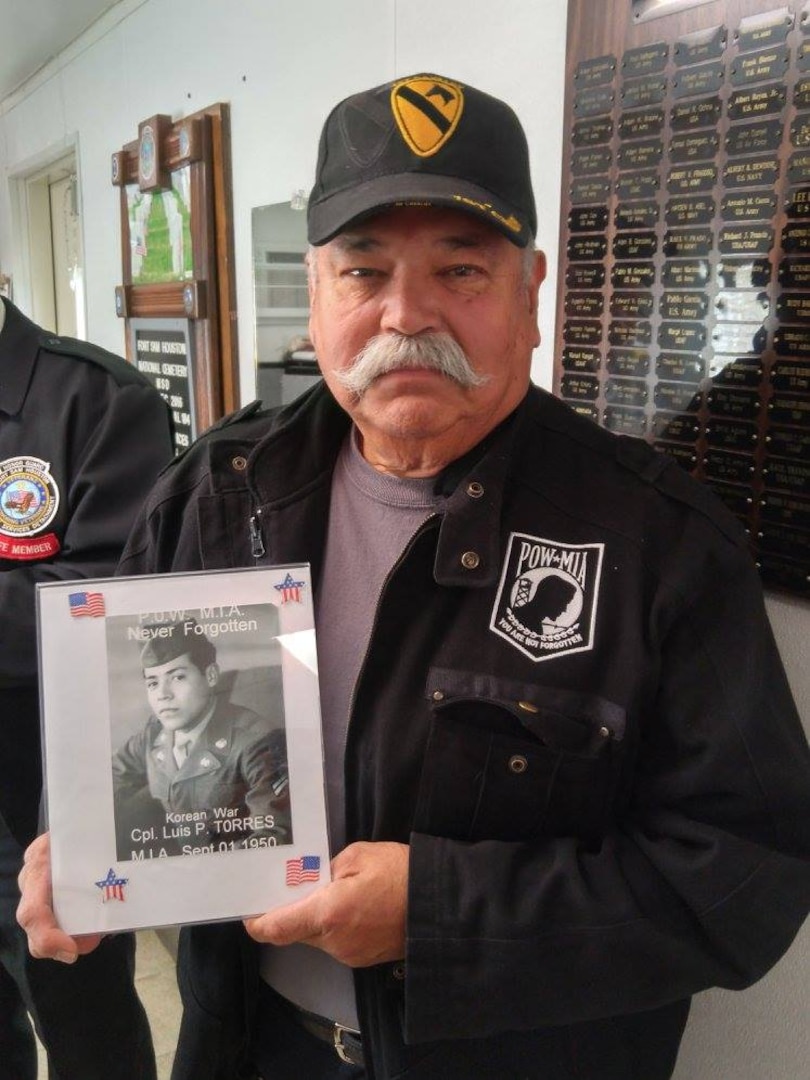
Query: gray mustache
{"type": "Point", "coordinates": [391, 352]}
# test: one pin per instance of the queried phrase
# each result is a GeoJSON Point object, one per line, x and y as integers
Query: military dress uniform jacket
{"type": "Point", "coordinates": [235, 765]}
{"type": "Point", "coordinates": [571, 708]}
{"type": "Point", "coordinates": [83, 436]}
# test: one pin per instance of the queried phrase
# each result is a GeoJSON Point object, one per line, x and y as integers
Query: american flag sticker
{"type": "Point", "coordinates": [112, 886]}
{"type": "Point", "coordinates": [86, 603]}
{"type": "Point", "coordinates": [305, 868]}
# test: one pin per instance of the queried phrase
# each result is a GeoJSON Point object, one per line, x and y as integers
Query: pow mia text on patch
{"type": "Point", "coordinates": [547, 599]}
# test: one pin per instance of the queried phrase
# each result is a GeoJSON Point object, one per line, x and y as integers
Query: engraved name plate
{"type": "Point", "coordinates": [641, 123]}
{"type": "Point", "coordinates": [584, 304]}
{"type": "Point", "coordinates": [593, 132]}
{"type": "Point", "coordinates": [646, 59]}
{"type": "Point", "coordinates": [631, 392]}
{"type": "Point", "coordinates": [741, 404]}
{"type": "Point", "coordinates": [596, 71]}
{"type": "Point", "coordinates": [631, 305]}
{"type": "Point", "coordinates": [680, 427]}
{"type": "Point", "coordinates": [695, 178]}
{"type": "Point", "coordinates": [629, 332]}
{"type": "Point", "coordinates": [680, 366]}
{"type": "Point", "coordinates": [744, 274]}
{"type": "Point", "coordinates": [788, 442]}
{"type": "Point", "coordinates": [745, 240]}
{"type": "Point", "coordinates": [756, 137]}
{"type": "Point", "coordinates": [637, 185]}
{"type": "Point", "coordinates": [732, 434]}
{"type": "Point", "coordinates": [771, 64]}
{"type": "Point", "coordinates": [590, 190]}
{"type": "Point", "coordinates": [793, 307]}
{"type": "Point", "coordinates": [585, 276]}
{"type": "Point", "coordinates": [582, 332]}
{"type": "Point", "coordinates": [680, 243]}
{"type": "Point", "coordinates": [743, 306]}
{"type": "Point", "coordinates": [593, 100]}
{"type": "Point", "coordinates": [748, 206]}
{"type": "Point", "coordinates": [734, 337]}
{"type": "Point", "coordinates": [638, 92]}
{"type": "Point", "coordinates": [627, 245]}
{"type": "Point", "coordinates": [731, 468]}
{"type": "Point", "coordinates": [579, 386]}
{"type": "Point", "coordinates": [684, 305]}
{"type": "Point", "coordinates": [686, 274]}
{"type": "Point", "coordinates": [628, 362]}
{"type": "Point", "coordinates": [791, 375]}
{"type": "Point", "coordinates": [700, 46]}
{"type": "Point", "coordinates": [757, 101]}
{"type": "Point", "coordinates": [625, 421]}
{"type": "Point", "coordinates": [794, 273]}
{"type": "Point", "coordinates": [632, 275]}
{"type": "Point", "coordinates": [681, 335]}
{"type": "Point", "coordinates": [585, 248]}
{"type": "Point", "coordinates": [590, 160]}
{"type": "Point", "coordinates": [640, 155]}
{"type": "Point", "coordinates": [764, 29]}
{"type": "Point", "coordinates": [677, 396]}
{"type": "Point", "coordinates": [759, 172]}
{"type": "Point", "coordinates": [693, 146]}
{"type": "Point", "coordinates": [582, 359]}
{"type": "Point", "coordinates": [792, 341]}
{"type": "Point", "coordinates": [690, 210]}
{"type": "Point", "coordinates": [696, 114]}
{"type": "Point", "coordinates": [640, 215]}
{"type": "Point", "coordinates": [588, 219]}
{"type": "Point", "coordinates": [700, 80]}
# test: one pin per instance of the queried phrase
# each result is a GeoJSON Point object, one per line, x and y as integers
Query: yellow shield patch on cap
{"type": "Point", "coordinates": [427, 111]}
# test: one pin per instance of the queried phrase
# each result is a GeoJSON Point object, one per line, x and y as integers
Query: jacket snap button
{"type": "Point", "coordinates": [398, 971]}
{"type": "Point", "coordinates": [475, 490]}
{"type": "Point", "coordinates": [438, 695]}
{"type": "Point", "coordinates": [527, 706]}
{"type": "Point", "coordinates": [518, 764]}
{"type": "Point", "coordinates": [604, 732]}
{"type": "Point", "coordinates": [470, 560]}
{"type": "Point", "coordinates": [239, 463]}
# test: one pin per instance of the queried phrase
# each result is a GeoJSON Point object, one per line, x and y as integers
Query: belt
{"type": "Point", "coordinates": [347, 1042]}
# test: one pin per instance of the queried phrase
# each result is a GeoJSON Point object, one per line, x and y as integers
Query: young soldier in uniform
{"type": "Point", "coordinates": [198, 752]}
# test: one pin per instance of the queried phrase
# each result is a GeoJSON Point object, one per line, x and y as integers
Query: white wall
{"type": "Point", "coordinates": [281, 66]}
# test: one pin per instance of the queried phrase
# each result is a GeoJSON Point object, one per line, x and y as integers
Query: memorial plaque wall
{"type": "Point", "coordinates": [684, 300]}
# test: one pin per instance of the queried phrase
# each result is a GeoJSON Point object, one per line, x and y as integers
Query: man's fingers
{"type": "Point", "coordinates": [285, 925]}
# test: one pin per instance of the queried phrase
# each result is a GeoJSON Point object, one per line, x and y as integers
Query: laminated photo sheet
{"type": "Point", "coordinates": [145, 831]}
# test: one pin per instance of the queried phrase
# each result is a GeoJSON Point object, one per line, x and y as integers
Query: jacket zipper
{"type": "Point", "coordinates": [256, 540]}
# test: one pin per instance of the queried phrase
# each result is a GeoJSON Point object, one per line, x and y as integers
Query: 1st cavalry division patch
{"type": "Point", "coordinates": [547, 598]}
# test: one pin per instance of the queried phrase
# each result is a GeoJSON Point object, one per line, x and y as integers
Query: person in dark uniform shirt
{"type": "Point", "coordinates": [197, 751]}
{"type": "Point", "coordinates": [567, 785]}
{"type": "Point", "coordinates": [82, 439]}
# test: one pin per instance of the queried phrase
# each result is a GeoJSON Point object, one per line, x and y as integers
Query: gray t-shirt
{"type": "Point", "coordinates": [372, 517]}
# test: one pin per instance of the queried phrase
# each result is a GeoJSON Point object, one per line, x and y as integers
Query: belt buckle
{"type": "Point", "coordinates": [338, 1031]}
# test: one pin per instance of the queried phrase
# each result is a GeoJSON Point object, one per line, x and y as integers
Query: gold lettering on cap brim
{"type": "Point", "coordinates": [427, 111]}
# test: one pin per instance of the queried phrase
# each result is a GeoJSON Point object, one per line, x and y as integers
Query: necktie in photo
{"type": "Point", "coordinates": [181, 745]}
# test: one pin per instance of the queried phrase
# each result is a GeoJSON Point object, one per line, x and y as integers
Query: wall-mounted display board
{"type": "Point", "coordinates": [178, 291]}
{"type": "Point", "coordinates": [683, 313]}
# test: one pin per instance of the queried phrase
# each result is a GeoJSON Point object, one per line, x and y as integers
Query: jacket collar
{"type": "Point", "coordinates": [20, 341]}
{"type": "Point", "coordinates": [299, 454]}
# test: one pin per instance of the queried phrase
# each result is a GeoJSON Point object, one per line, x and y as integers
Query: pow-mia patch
{"type": "Point", "coordinates": [547, 599]}
{"type": "Point", "coordinates": [427, 111]}
{"type": "Point", "coordinates": [29, 500]}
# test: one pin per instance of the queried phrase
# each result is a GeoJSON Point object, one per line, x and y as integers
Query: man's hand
{"type": "Point", "coordinates": [35, 914]}
{"type": "Point", "coordinates": [358, 918]}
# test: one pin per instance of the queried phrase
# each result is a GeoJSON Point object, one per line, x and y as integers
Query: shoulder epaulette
{"type": "Point", "coordinates": [671, 480]}
{"type": "Point", "coordinates": [121, 371]}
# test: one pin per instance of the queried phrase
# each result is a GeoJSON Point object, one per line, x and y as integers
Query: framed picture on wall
{"type": "Point", "coordinates": [177, 260]}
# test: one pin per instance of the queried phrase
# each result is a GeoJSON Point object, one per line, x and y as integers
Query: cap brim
{"type": "Point", "coordinates": [330, 216]}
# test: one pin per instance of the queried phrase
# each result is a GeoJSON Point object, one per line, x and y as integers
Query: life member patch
{"type": "Point", "coordinates": [29, 500]}
{"type": "Point", "coordinates": [547, 599]}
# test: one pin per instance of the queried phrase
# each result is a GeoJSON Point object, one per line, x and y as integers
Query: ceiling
{"type": "Point", "coordinates": [33, 31]}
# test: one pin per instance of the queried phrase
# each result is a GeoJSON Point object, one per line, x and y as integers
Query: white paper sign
{"type": "Point", "coordinates": [182, 746]}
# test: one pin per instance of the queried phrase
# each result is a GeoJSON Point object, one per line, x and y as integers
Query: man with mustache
{"type": "Point", "coordinates": [546, 836]}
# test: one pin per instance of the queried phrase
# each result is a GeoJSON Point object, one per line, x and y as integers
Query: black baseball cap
{"type": "Point", "coordinates": [425, 140]}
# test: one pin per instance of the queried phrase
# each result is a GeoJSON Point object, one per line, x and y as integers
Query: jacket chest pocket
{"type": "Point", "coordinates": [512, 761]}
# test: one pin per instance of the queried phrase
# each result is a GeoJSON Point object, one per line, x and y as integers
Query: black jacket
{"type": "Point", "coordinates": [573, 711]}
{"type": "Point", "coordinates": [82, 438]}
